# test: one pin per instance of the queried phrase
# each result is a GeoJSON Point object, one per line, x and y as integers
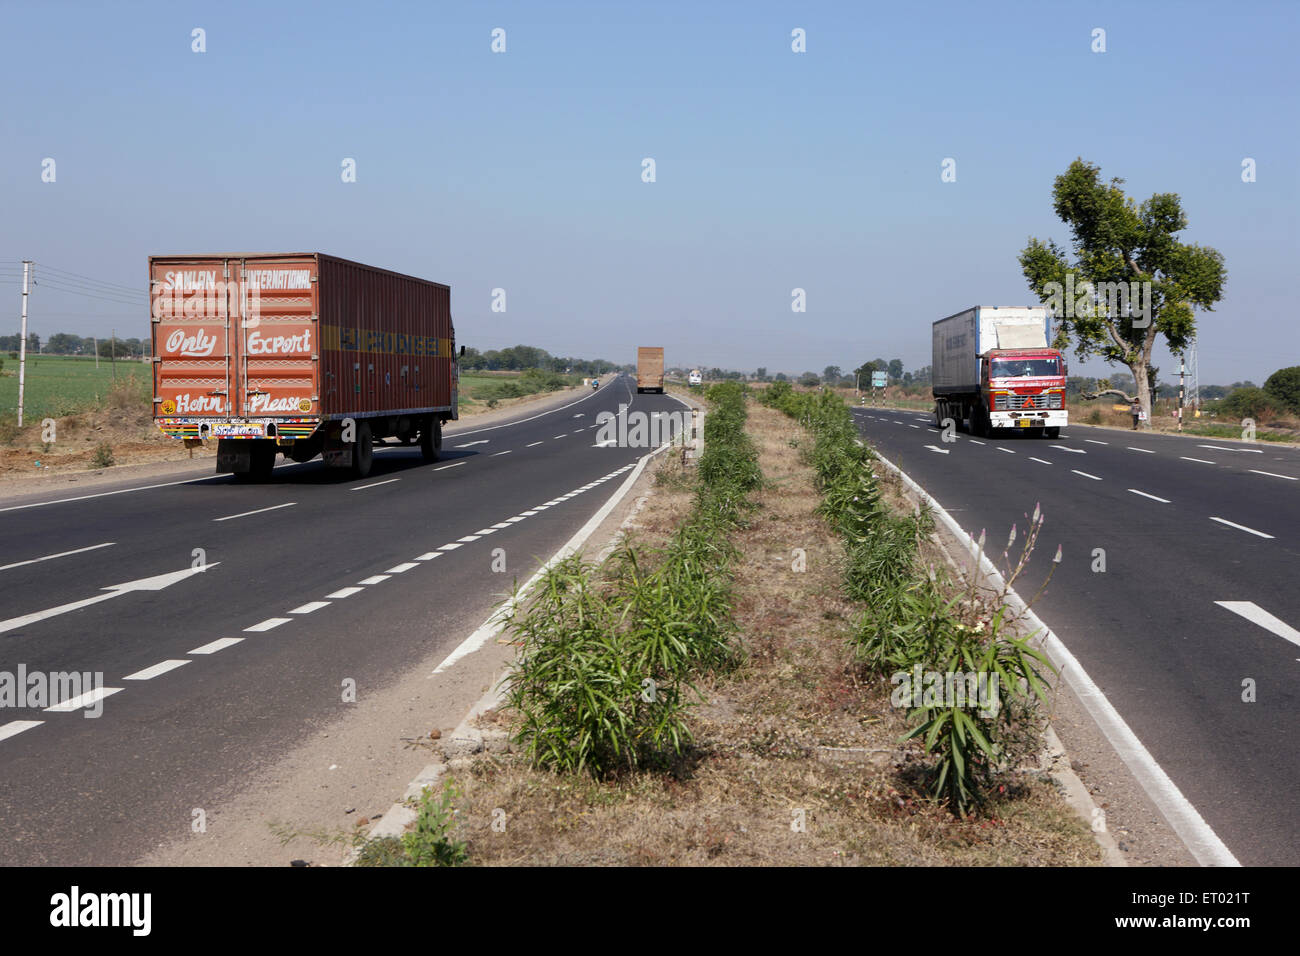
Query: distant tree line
{"type": "Point", "coordinates": [521, 357]}
{"type": "Point", "coordinates": [64, 343]}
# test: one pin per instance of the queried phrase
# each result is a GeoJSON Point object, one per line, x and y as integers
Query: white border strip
{"type": "Point", "coordinates": [1199, 838]}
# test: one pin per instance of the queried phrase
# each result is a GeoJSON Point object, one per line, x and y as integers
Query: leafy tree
{"type": "Point", "coordinates": [761, 374]}
{"type": "Point", "coordinates": [810, 379]}
{"type": "Point", "coordinates": [1122, 247]}
{"type": "Point", "coordinates": [1284, 386]}
{"type": "Point", "coordinates": [895, 368]}
{"type": "Point", "coordinates": [781, 377]}
{"type": "Point", "coordinates": [832, 374]}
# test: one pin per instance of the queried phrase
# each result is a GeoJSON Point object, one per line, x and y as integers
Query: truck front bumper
{"type": "Point", "coordinates": [1029, 419]}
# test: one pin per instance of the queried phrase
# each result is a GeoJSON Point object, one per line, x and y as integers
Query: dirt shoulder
{"type": "Point", "coordinates": [797, 759]}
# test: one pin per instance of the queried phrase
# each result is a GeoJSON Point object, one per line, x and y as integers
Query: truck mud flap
{"type": "Point", "coordinates": [335, 452]}
{"type": "Point", "coordinates": [234, 457]}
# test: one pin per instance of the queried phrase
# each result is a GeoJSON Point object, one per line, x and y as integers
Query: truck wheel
{"type": "Point", "coordinates": [431, 439]}
{"type": "Point", "coordinates": [363, 451]}
{"type": "Point", "coordinates": [1053, 432]}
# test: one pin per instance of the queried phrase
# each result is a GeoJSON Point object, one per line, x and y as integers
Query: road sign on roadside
{"type": "Point", "coordinates": [879, 379]}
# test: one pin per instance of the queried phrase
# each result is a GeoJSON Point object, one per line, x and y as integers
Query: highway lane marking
{"type": "Point", "coordinates": [605, 444]}
{"type": "Point", "coordinates": [471, 444]}
{"type": "Point", "coordinates": [309, 607]}
{"type": "Point", "coordinates": [1145, 451]}
{"type": "Point", "coordinates": [1093, 441]}
{"type": "Point", "coordinates": [149, 673]}
{"type": "Point", "coordinates": [428, 556]}
{"type": "Point", "coordinates": [913, 426]}
{"type": "Point", "coordinates": [344, 593]}
{"type": "Point", "coordinates": [489, 428]}
{"type": "Point", "coordinates": [1085, 474]}
{"type": "Point", "coordinates": [155, 583]}
{"type": "Point", "coordinates": [1007, 450]}
{"type": "Point", "coordinates": [1253, 471]}
{"type": "Point", "coordinates": [1044, 461]}
{"type": "Point", "coordinates": [974, 442]}
{"type": "Point", "coordinates": [374, 485]}
{"type": "Point", "coordinates": [1076, 451]}
{"type": "Point", "coordinates": [580, 415]}
{"type": "Point", "coordinates": [61, 554]}
{"type": "Point", "coordinates": [15, 727]}
{"type": "Point", "coordinates": [500, 453]}
{"type": "Point", "coordinates": [1257, 615]}
{"type": "Point", "coordinates": [1152, 497]}
{"type": "Point", "coordinates": [104, 494]}
{"type": "Point", "coordinates": [268, 624]}
{"type": "Point", "coordinates": [501, 524]}
{"type": "Point", "coordinates": [375, 579]}
{"type": "Point", "coordinates": [531, 444]}
{"type": "Point", "coordinates": [88, 699]}
{"type": "Point", "coordinates": [481, 532]}
{"type": "Point", "coordinates": [220, 644]}
{"type": "Point", "coordinates": [1201, 460]}
{"type": "Point", "coordinates": [451, 547]}
{"type": "Point", "coordinates": [454, 464]}
{"type": "Point", "coordinates": [1253, 451]}
{"type": "Point", "coordinates": [245, 514]}
{"type": "Point", "coordinates": [468, 538]}
{"type": "Point", "coordinates": [529, 514]}
{"type": "Point", "coordinates": [1240, 527]}
{"type": "Point", "coordinates": [402, 568]}
{"type": "Point", "coordinates": [516, 518]}
{"type": "Point", "coordinates": [565, 435]}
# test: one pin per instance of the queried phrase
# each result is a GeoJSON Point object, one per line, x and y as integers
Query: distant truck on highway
{"type": "Point", "coordinates": [993, 368]}
{"type": "Point", "coordinates": [303, 354]}
{"type": "Point", "coordinates": [649, 369]}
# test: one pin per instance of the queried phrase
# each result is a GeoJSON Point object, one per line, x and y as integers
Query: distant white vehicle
{"type": "Point", "coordinates": [695, 377]}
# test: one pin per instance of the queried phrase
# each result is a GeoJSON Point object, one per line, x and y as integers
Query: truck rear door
{"type": "Point", "coordinates": [277, 348]}
{"type": "Point", "coordinates": [192, 338]}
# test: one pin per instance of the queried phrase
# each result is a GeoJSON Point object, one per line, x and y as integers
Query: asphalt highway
{"type": "Point", "coordinates": [225, 617]}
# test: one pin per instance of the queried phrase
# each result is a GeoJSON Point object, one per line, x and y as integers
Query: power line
{"type": "Point", "coordinates": [111, 286]}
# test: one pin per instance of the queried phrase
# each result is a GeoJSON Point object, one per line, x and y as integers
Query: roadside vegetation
{"type": "Point", "coordinates": [490, 389]}
{"type": "Point", "coordinates": [719, 693]}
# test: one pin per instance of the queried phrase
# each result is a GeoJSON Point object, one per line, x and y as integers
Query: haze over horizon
{"type": "Point", "coordinates": [775, 170]}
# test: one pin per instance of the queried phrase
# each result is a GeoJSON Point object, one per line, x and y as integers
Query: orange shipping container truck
{"type": "Point", "coordinates": [649, 369]}
{"type": "Point", "coordinates": [301, 353]}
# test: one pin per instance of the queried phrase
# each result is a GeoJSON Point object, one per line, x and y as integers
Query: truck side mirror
{"type": "Point", "coordinates": [462, 351]}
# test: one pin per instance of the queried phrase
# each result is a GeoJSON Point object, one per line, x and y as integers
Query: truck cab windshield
{"type": "Point", "coordinates": [1024, 368]}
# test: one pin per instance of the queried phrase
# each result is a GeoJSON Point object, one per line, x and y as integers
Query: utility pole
{"type": "Point", "coordinates": [112, 353]}
{"type": "Point", "coordinates": [1182, 399]}
{"type": "Point", "coordinates": [22, 344]}
{"type": "Point", "coordinates": [96, 341]}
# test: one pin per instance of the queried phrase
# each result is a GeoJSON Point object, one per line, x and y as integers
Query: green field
{"type": "Point", "coordinates": [62, 384]}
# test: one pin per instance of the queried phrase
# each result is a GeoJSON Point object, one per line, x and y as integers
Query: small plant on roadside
{"type": "Point", "coordinates": [103, 457]}
{"type": "Point", "coordinates": [430, 843]}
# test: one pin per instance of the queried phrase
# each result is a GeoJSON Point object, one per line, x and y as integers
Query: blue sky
{"type": "Point", "coordinates": [775, 170]}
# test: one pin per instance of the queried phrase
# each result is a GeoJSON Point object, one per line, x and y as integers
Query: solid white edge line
{"type": "Point", "coordinates": [1240, 527]}
{"type": "Point", "coordinates": [1199, 837]}
{"type": "Point", "coordinates": [1257, 615]}
{"type": "Point", "coordinates": [496, 620]}
{"type": "Point", "coordinates": [93, 547]}
{"type": "Point", "coordinates": [245, 514]}
{"type": "Point", "coordinates": [162, 667]}
{"type": "Point", "coordinates": [1152, 497]}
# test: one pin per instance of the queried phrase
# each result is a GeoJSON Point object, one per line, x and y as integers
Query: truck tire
{"type": "Point", "coordinates": [363, 451]}
{"type": "Point", "coordinates": [431, 439]}
{"type": "Point", "coordinates": [1052, 432]}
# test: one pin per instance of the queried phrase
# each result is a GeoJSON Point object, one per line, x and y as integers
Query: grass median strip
{"type": "Point", "coordinates": [704, 697]}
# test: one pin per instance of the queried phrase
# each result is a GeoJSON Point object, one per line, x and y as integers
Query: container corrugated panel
{"type": "Point", "coordinates": [299, 336]}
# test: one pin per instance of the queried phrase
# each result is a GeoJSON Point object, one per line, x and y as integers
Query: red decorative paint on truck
{"type": "Point", "coordinates": [299, 353]}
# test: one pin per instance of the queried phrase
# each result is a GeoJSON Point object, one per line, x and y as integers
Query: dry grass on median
{"type": "Point", "coordinates": [794, 734]}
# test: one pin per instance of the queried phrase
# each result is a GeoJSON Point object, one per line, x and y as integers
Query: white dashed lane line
{"type": "Point", "coordinates": [88, 699]}
{"type": "Point", "coordinates": [1007, 450]}
{"type": "Point", "coordinates": [1145, 451]}
{"type": "Point", "coordinates": [1201, 460]}
{"type": "Point", "coordinates": [1253, 471]}
{"type": "Point", "coordinates": [1241, 527]}
{"type": "Point", "coordinates": [245, 514]}
{"type": "Point", "coordinates": [454, 464]}
{"type": "Point", "coordinates": [532, 444]}
{"type": "Point", "coordinates": [1257, 615]}
{"type": "Point", "coordinates": [500, 453]}
{"type": "Point", "coordinates": [374, 579]}
{"type": "Point", "coordinates": [1085, 474]}
{"type": "Point", "coordinates": [309, 607]}
{"type": "Point", "coordinates": [15, 727]}
{"type": "Point", "coordinates": [345, 592]}
{"type": "Point", "coordinates": [1039, 460]}
{"type": "Point", "coordinates": [220, 644]}
{"type": "Point", "coordinates": [374, 485]}
{"type": "Point", "coordinates": [1164, 501]}
{"type": "Point", "coordinates": [1093, 441]}
{"type": "Point", "coordinates": [149, 673]}
{"type": "Point", "coordinates": [428, 556]}
{"type": "Point", "coordinates": [450, 547]}
{"type": "Point", "coordinates": [268, 624]}
{"type": "Point", "coordinates": [402, 568]}
{"type": "Point", "coordinates": [61, 554]}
